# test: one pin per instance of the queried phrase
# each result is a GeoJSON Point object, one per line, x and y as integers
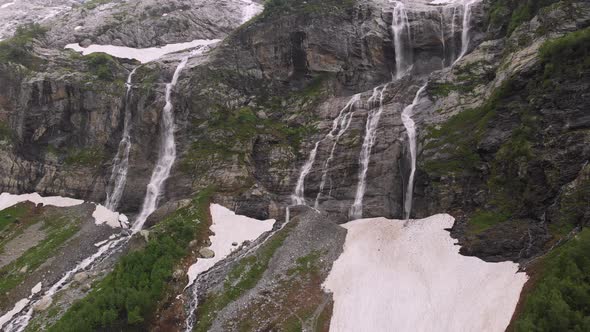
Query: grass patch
{"type": "Point", "coordinates": [89, 157]}
{"type": "Point", "coordinates": [306, 264]}
{"type": "Point", "coordinates": [91, 4]}
{"type": "Point", "coordinates": [560, 300]}
{"type": "Point", "coordinates": [18, 49]}
{"type": "Point", "coordinates": [101, 65]}
{"type": "Point", "coordinates": [481, 221]}
{"type": "Point", "coordinates": [58, 230]}
{"type": "Point", "coordinates": [241, 278]}
{"type": "Point", "coordinates": [128, 296]}
{"type": "Point", "coordinates": [573, 46]}
{"type": "Point", "coordinates": [509, 14]}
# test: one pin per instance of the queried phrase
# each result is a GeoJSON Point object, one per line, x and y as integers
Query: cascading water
{"type": "Point", "coordinates": [166, 156]}
{"type": "Point", "coordinates": [400, 27]}
{"type": "Point", "coordinates": [162, 170]}
{"type": "Point", "coordinates": [465, 37]}
{"type": "Point", "coordinates": [342, 121]}
{"type": "Point", "coordinates": [411, 132]}
{"type": "Point", "coordinates": [356, 210]}
{"type": "Point", "coordinates": [121, 161]}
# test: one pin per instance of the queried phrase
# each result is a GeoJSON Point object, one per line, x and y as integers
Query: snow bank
{"type": "Point", "coordinates": [142, 55]}
{"type": "Point", "coordinates": [101, 214]}
{"type": "Point", "coordinates": [6, 5]}
{"type": "Point", "coordinates": [7, 200]}
{"type": "Point", "coordinates": [250, 10]}
{"type": "Point", "coordinates": [228, 228]}
{"type": "Point", "coordinates": [396, 278]}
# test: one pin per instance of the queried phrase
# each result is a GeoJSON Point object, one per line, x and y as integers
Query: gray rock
{"type": "Point", "coordinates": [206, 253]}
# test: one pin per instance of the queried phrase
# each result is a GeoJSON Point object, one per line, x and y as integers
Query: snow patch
{"type": "Point", "coordinates": [228, 228]}
{"type": "Point", "coordinates": [392, 277]}
{"type": "Point", "coordinates": [142, 55]}
{"type": "Point", "coordinates": [250, 10]}
{"type": "Point", "coordinates": [7, 200]}
{"type": "Point", "coordinates": [37, 288]}
{"type": "Point", "coordinates": [103, 215]}
{"type": "Point", "coordinates": [6, 5]}
{"type": "Point", "coordinates": [18, 307]}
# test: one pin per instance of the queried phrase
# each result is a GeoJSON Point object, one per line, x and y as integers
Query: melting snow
{"type": "Point", "coordinates": [142, 55]}
{"type": "Point", "coordinates": [19, 306]}
{"type": "Point", "coordinates": [250, 10]}
{"type": "Point", "coordinates": [103, 215]}
{"type": "Point", "coordinates": [7, 5]}
{"type": "Point", "coordinates": [7, 200]}
{"type": "Point", "coordinates": [396, 278]}
{"type": "Point", "coordinates": [228, 228]}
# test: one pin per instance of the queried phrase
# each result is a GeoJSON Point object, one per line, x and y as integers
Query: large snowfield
{"type": "Point", "coordinates": [392, 277]}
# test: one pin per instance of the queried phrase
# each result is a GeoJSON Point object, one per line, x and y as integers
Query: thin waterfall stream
{"type": "Point", "coordinates": [118, 177]}
{"type": "Point", "coordinates": [356, 210]}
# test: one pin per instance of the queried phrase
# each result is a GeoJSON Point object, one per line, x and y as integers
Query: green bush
{"type": "Point", "coordinates": [18, 49]}
{"type": "Point", "coordinates": [90, 157]}
{"type": "Point", "coordinates": [567, 55]}
{"type": "Point", "coordinates": [509, 14]}
{"type": "Point", "coordinates": [560, 299]}
{"type": "Point", "coordinates": [128, 296]}
{"type": "Point", "coordinates": [101, 65]}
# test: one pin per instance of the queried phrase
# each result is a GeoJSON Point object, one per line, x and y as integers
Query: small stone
{"type": "Point", "coordinates": [234, 244]}
{"type": "Point", "coordinates": [43, 304]}
{"type": "Point", "coordinates": [206, 253]}
{"type": "Point", "coordinates": [80, 277]}
{"type": "Point", "coordinates": [24, 269]}
{"type": "Point", "coordinates": [178, 274]}
{"type": "Point", "coordinates": [145, 234]}
{"type": "Point", "coordinates": [193, 243]}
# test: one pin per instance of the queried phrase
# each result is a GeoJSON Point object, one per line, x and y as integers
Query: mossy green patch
{"type": "Point", "coordinates": [560, 299]}
{"type": "Point", "coordinates": [19, 48]}
{"type": "Point", "coordinates": [58, 229]}
{"type": "Point", "coordinates": [89, 157]}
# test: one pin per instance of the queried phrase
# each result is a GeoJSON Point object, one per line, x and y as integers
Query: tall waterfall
{"type": "Point", "coordinates": [465, 37]}
{"type": "Point", "coordinates": [411, 132]}
{"type": "Point", "coordinates": [166, 155]}
{"type": "Point", "coordinates": [121, 162]}
{"type": "Point", "coordinates": [343, 122]}
{"type": "Point", "coordinates": [356, 210]}
{"type": "Point", "coordinates": [339, 126]}
{"type": "Point", "coordinates": [401, 35]}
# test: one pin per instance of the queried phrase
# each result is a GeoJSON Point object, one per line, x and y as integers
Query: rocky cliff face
{"type": "Point", "coordinates": [502, 129]}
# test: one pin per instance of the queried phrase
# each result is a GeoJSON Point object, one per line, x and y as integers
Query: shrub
{"type": "Point", "coordinates": [560, 300]}
{"type": "Point", "coordinates": [18, 49]}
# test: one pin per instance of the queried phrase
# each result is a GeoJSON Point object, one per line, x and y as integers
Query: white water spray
{"type": "Point", "coordinates": [166, 155]}
{"type": "Point", "coordinates": [121, 161]}
{"type": "Point", "coordinates": [340, 124]}
{"type": "Point", "coordinates": [411, 132]}
{"type": "Point", "coordinates": [298, 197]}
{"type": "Point", "coordinates": [356, 210]}
{"type": "Point", "coordinates": [401, 34]}
{"type": "Point", "coordinates": [465, 36]}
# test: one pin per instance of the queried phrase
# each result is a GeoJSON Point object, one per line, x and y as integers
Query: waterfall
{"type": "Point", "coordinates": [411, 131]}
{"type": "Point", "coordinates": [342, 121]}
{"type": "Point", "coordinates": [401, 31]}
{"type": "Point", "coordinates": [465, 37]}
{"type": "Point", "coordinates": [356, 210]}
{"type": "Point", "coordinates": [121, 162]}
{"type": "Point", "coordinates": [166, 155]}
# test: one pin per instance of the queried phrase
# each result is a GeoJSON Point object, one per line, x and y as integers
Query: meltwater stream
{"type": "Point", "coordinates": [118, 178]}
